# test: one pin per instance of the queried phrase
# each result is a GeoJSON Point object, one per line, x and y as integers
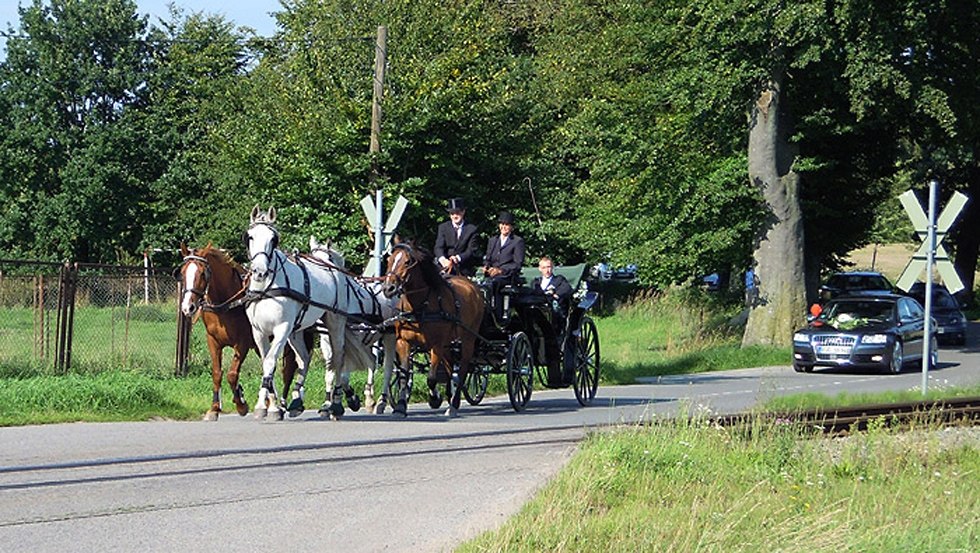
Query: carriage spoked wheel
{"type": "Point", "coordinates": [520, 371]}
{"type": "Point", "coordinates": [586, 362]}
{"type": "Point", "coordinates": [475, 386]}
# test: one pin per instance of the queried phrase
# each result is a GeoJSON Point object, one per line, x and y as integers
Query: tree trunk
{"type": "Point", "coordinates": [968, 235]}
{"type": "Point", "coordinates": [779, 260]}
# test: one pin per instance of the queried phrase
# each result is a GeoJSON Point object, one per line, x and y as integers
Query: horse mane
{"type": "Point", "coordinates": [222, 256]}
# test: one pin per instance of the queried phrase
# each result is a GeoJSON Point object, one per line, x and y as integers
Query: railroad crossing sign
{"type": "Point", "coordinates": [382, 240]}
{"type": "Point", "coordinates": [921, 223]}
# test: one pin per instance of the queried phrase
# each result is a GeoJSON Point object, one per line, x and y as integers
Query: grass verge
{"type": "Point", "coordinates": [803, 402]}
{"type": "Point", "coordinates": [690, 486]}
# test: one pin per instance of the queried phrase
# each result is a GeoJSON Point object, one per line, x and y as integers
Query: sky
{"type": "Point", "coordinates": [251, 13]}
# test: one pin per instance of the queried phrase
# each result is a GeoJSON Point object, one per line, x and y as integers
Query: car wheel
{"type": "Point", "coordinates": [802, 368]}
{"type": "Point", "coordinates": [896, 361]}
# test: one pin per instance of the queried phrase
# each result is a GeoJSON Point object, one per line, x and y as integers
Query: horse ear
{"type": "Point", "coordinates": [183, 250]}
{"type": "Point", "coordinates": [396, 239]}
{"type": "Point", "coordinates": [255, 213]}
{"type": "Point", "coordinates": [313, 243]}
{"type": "Point", "coordinates": [272, 214]}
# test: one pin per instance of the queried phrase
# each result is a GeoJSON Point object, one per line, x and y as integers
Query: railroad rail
{"type": "Point", "coordinates": [843, 420]}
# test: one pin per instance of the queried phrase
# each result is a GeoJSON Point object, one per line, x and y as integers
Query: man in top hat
{"type": "Point", "coordinates": [456, 246]}
{"type": "Point", "coordinates": [505, 251]}
{"type": "Point", "coordinates": [502, 263]}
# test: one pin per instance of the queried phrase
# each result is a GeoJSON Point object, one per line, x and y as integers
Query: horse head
{"type": "Point", "coordinates": [195, 275]}
{"type": "Point", "coordinates": [326, 252]}
{"type": "Point", "coordinates": [401, 262]}
{"type": "Point", "coordinates": [262, 239]}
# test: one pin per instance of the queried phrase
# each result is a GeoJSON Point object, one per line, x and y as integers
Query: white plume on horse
{"type": "Point", "coordinates": [285, 297]}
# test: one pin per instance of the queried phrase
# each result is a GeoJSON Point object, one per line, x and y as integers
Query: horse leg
{"type": "Point", "coordinates": [388, 354]}
{"type": "Point", "coordinates": [215, 348]}
{"type": "Point", "coordinates": [435, 360]}
{"type": "Point", "coordinates": [332, 346]}
{"type": "Point", "coordinates": [400, 405]}
{"type": "Point", "coordinates": [268, 401]}
{"type": "Point", "coordinates": [369, 401]}
{"type": "Point", "coordinates": [289, 373]}
{"type": "Point", "coordinates": [238, 394]}
{"type": "Point", "coordinates": [353, 401]}
{"type": "Point", "coordinates": [298, 355]}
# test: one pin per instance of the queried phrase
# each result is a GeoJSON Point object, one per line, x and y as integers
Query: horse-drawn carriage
{"type": "Point", "coordinates": [531, 334]}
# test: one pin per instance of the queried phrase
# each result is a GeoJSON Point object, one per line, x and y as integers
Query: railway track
{"type": "Point", "coordinates": [843, 420]}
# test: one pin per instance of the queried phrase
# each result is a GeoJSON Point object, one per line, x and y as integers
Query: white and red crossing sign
{"type": "Point", "coordinates": [921, 223]}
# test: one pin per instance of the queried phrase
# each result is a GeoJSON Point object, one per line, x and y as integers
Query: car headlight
{"type": "Point", "coordinates": [874, 339]}
{"type": "Point", "coordinates": [800, 337]}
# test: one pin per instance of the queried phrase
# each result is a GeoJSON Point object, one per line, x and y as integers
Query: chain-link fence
{"type": "Point", "coordinates": [84, 317]}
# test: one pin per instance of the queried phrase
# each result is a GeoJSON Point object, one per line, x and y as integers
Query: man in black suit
{"type": "Point", "coordinates": [556, 288]}
{"type": "Point", "coordinates": [505, 251]}
{"type": "Point", "coordinates": [502, 262]}
{"type": "Point", "coordinates": [456, 246]}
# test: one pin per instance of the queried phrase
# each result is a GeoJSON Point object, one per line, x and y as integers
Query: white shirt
{"type": "Point", "coordinates": [545, 283]}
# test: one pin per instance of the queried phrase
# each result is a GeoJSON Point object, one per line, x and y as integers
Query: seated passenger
{"type": "Point", "coordinates": [456, 246]}
{"type": "Point", "coordinates": [557, 289]}
{"type": "Point", "coordinates": [503, 260]}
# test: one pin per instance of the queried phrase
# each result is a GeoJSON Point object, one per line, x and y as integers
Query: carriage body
{"type": "Point", "coordinates": [531, 340]}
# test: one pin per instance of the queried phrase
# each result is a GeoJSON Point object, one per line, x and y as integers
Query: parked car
{"type": "Point", "coordinates": [882, 332]}
{"type": "Point", "coordinates": [946, 311]}
{"type": "Point", "coordinates": [855, 282]}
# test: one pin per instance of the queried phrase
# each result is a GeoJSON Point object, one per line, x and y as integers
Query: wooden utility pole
{"type": "Point", "coordinates": [380, 61]}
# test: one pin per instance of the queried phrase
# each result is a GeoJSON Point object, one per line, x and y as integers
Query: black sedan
{"type": "Point", "coordinates": [881, 332]}
{"type": "Point", "coordinates": [946, 310]}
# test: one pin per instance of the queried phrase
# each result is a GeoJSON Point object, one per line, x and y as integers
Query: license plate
{"type": "Point", "coordinates": [834, 350]}
{"type": "Point", "coordinates": [940, 330]}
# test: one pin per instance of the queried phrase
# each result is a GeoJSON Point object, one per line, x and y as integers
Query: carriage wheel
{"type": "Point", "coordinates": [586, 362]}
{"type": "Point", "coordinates": [520, 371]}
{"type": "Point", "coordinates": [475, 386]}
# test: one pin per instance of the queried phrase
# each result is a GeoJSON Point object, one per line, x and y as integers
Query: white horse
{"type": "Point", "coordinates": [285, 297]}
{"type": "Point", "coordinates": [388, 309]}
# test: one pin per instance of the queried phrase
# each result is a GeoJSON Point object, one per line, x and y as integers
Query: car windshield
{"type": "Point", "coordinates": [859, 282]}
{"type": "Point", "coordinates": [850, 314]}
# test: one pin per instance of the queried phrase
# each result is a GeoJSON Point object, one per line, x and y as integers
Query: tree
{"type": "Point", "coordinates": [71, 185]}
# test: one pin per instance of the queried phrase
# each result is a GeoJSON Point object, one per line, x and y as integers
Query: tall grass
{"type": "Point", "coordinates": [677, 332]}
{"type": "Point", "coordinates": [690, 486]}
{"type": "Point", "coordinates": [799, 402]}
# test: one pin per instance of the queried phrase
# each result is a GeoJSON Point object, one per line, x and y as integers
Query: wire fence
{"type": "Point", "coordinates": [59, 318]}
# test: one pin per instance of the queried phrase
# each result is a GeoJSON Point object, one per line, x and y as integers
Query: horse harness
{"type": "Point", "coordinates": [234, 301]}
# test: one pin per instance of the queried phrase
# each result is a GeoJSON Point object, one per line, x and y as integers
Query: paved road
{"type": "Point", "coordinates": [367, 483]}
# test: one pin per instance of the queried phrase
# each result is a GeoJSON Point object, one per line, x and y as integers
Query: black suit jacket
{"type": "Point", "coordinates": [465, 247]}
{"type": "Point", "coordinates": [562, 288]}
{"type": "Point", "coordinates": [509, 259]}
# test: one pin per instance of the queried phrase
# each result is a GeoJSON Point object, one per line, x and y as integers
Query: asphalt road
{"type": "Point", "coordinates": [367, 483]}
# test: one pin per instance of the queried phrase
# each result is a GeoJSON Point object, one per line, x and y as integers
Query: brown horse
{"type": "Point", "coordinates": [211, 283]}
{"type": "Point", "coordinates": [443, 316]}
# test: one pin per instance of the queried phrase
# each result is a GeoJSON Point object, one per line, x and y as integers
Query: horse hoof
{"type": "Point", "coordinates": [242, 410]}
{"type": "Point", "coordinates": [324, 410]}
{"type": "Point", "coordinates": [336, 411]}
{"type": "Point", "coordinates": [275, 416]}
{"type": "Point", "coordinates": [295, 408]}
{"type": "Point", "coordinates": [435, 402]}
{"type": "Point", "coordinates": [400, 410]}
{"type": "Point", "coordinates": [261, 412]}
{"type": "Point", "coordinates": [211, 416]}
{"type": "Point", "coordinates": [379, 409]}
{"type": "Point", "coordinates": [452, 413]}
{"type": "Point", "coordinates": [354, 403]}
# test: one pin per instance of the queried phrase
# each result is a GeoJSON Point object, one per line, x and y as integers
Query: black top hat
{"type": "Point", "coordinates": [456, 204]}
{"type": "Point", "coordinates": [505, 217]}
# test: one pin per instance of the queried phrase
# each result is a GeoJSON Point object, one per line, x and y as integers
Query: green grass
{"type": "Point", "coordinates": [676, 334]}
{"type": "Point", "coordinates": [802, 402]}
{"type": "Point", "coordinates": [690, 486]}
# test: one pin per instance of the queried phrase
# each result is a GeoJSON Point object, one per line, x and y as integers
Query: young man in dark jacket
{"type": "Point", "coordinates": [456, 246]}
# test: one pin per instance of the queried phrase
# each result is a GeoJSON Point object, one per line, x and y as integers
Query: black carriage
{"type": "Point", "coordinates": [530, 334]}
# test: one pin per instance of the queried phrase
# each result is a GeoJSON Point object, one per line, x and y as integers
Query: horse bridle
{"type": "Point", "coordinates": [410, 264]}
{"type": "Point", "coordinates": [270, 255]}
{"type": "Point", "coordinates": [196, 259]}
